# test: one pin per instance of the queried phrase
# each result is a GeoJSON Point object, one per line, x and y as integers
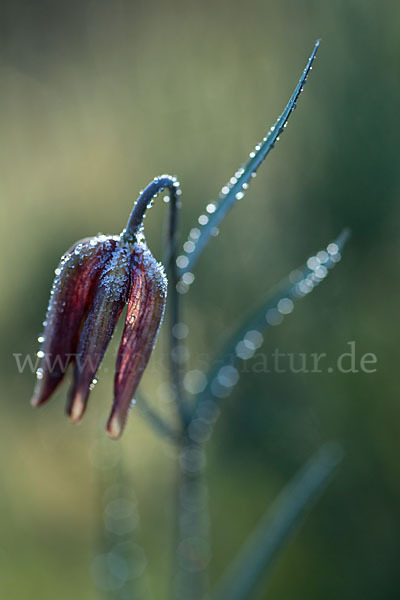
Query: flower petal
{"type": "Point", "coordinates": [71, 294]}
{"type": "Point", "coordinates": [109, 298]}
{"type": "Point", "coordinates": [145, 312]}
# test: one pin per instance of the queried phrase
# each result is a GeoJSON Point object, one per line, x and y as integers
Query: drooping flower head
{"type": "Point", "coordinates": [95, 279]}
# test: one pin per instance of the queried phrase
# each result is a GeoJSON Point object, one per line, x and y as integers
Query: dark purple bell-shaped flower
{"type": "Point", "coordinates": [95, 279]}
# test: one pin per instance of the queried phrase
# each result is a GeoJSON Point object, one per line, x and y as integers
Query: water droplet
{"type": "Point", "coordinates": [228, 376]}
{"type": "Point", "coordinates": [180, 331]}
{"type": "Point", "coordinates": [273, 317]}
{"type": "Point", "coordinates": [182, 261]}
{"type": "Point", "coordinates": [188, 278]}
{"type": "Point", "coordinates": [203, 219]}
{"type": "Point", "coordinates": [243, 351]}
{"type": "Point", "coordinates": [323, 256]}
{"type": "Point", "coordinates": [313, 262]}
{"type": "Point", "coordinates": [321, 272]}
{"type": "Point", "coordinates": [194, 233]}
{"type": "Point", "coordinates": [255, 337]}
{"type": "Point", "coordinates": [182, 287]}
{"type": "Point", "coordinates": [189, 246]}
{"type": "Point", "coordinates": [285, 306]}
{"type": "Point", "coordinates": [195, 381]}
{"type": "Point", "coordinates": [333, 248]}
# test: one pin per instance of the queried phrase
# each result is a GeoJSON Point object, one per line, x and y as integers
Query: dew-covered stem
{"type": "Point", "coordinates": [192, 524]}
{"type": "Point", "coordinates": [145, 200]}
{"type": "Point", "coordinates": [177, 347]}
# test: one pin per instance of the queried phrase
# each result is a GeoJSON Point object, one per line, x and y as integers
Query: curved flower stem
{"type": "Point", "coordinates": [133, 228]}
{"type": "Point", "coordinates": [145, 199]}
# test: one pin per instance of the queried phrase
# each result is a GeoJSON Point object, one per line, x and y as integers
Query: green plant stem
{"type": "Point", "coordinates": [191, 578]}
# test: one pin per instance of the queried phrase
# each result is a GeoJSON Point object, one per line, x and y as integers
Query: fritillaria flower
{"type": "Point", "coordinates": [95, 279]}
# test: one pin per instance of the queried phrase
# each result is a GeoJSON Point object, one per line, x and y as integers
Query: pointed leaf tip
{"type": "Point", "coordinates": [238, 184]}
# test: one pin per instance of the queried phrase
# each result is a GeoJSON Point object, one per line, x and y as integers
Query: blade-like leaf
{"type": "Point", "coordinates": [156, 421]}
{"type": "Point", "coordinates": [278, 525]}
{"type": "Point", "coordinates": [237, 185]}
{"type": "Point", "coordinates": [223, 376]}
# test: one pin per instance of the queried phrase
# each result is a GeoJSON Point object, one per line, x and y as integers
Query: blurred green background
{"type": "Point", "coordinates": [99, 97]}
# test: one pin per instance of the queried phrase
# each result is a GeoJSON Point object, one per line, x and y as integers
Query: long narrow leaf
{"type": "Point", "coordinates": [278, 526]}
{"type": "Point", "coordinates": [155, 420]}
{"type": "Point", "coordinates": [244, 342]}
{"type": "Point", "coordinates": [237, 185]}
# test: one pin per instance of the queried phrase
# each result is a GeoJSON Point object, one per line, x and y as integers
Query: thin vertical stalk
{"type": "Point", "coordinates": [177, 349]}
{"type": "Point", "coordinates": [193, 550]}
{"type": "Point", "coordinates": [190, 519]}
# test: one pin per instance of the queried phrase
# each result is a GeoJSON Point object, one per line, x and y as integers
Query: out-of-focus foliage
{"type": "Point", "coordinates": [97, 98]}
